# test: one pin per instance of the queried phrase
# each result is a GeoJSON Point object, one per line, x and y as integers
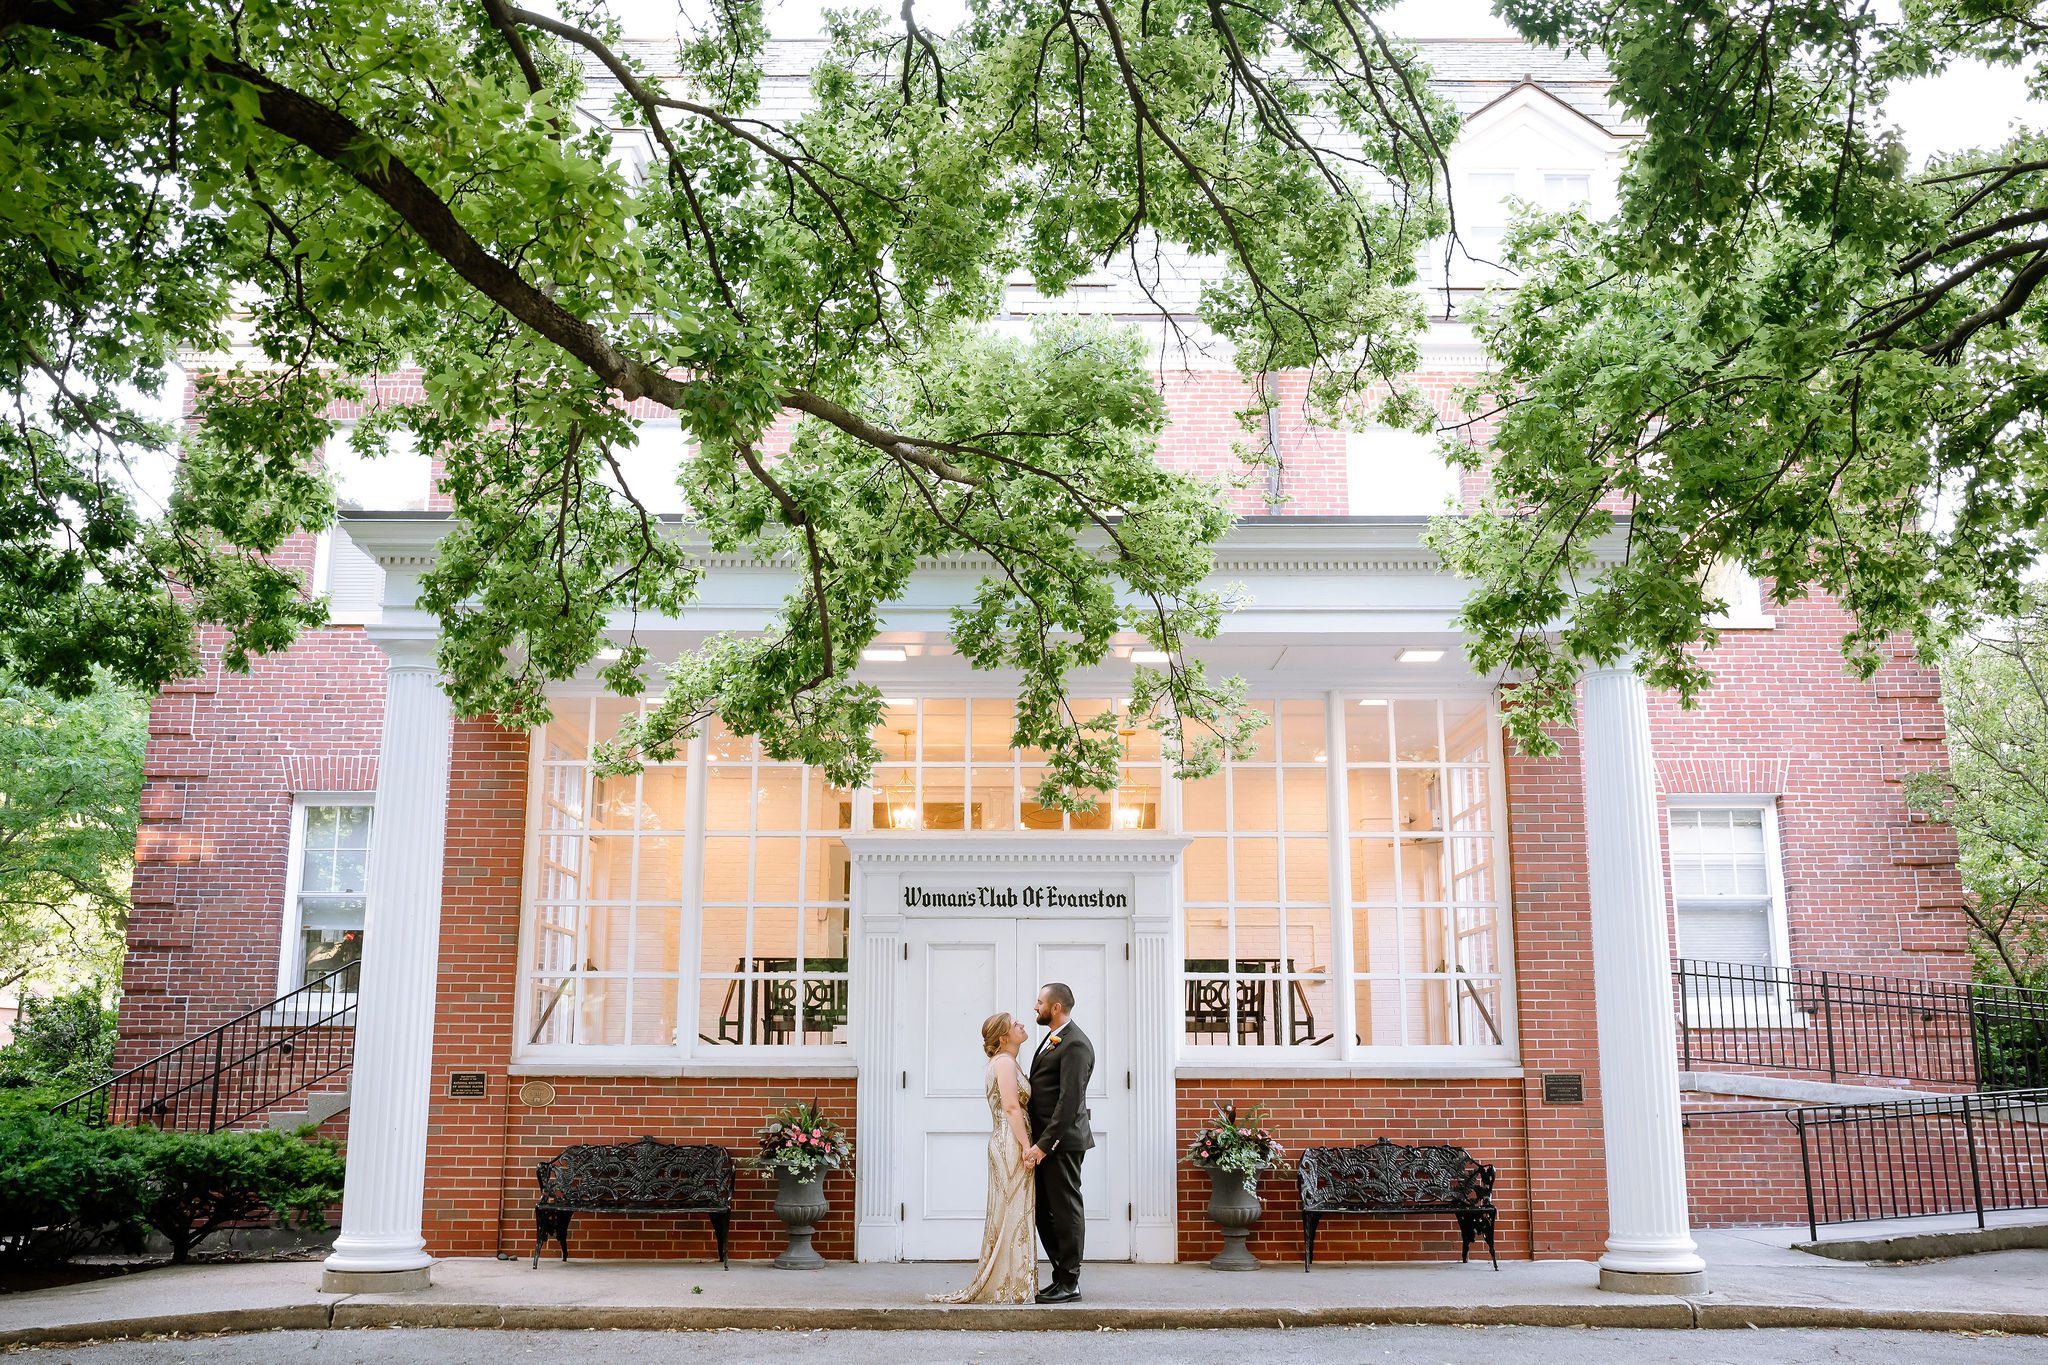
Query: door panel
{"type": "Point", "coordinates": [956, 969]}
{"type": "Point", "coordinates": [1088, 955]}
{"type": "Point", "coordinates": [960, 972]}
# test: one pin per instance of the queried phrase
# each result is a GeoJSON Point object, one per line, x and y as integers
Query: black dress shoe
{"type": "Point", "coordinates": [1059, 1293]}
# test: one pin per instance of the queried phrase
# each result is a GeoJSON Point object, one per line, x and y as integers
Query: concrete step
{"type": "Point", "coordinates": [320, 1107]}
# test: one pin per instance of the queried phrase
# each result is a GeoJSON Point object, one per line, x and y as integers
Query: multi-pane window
{"type": "Point", "coordinates": [1425, 884]}
{"type": "Point", "coordinates": [1723, 883]}
{"type": "Point", "coordinates": [704, 905]}
{"type": "Point", "coordinates": [1565, 190]}
{"type": "Point", "coordinates": [773, 952]}
{"type": "Point", "coordinates": [330, 883]}
{"type": "Point", "coordinates": [605, 951]}
{"type": "Point", "coordinates": [1259, 955]}
{"type": "Point", "coordinates": [947, 764]}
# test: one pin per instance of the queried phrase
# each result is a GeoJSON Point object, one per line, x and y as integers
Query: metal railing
{"type": "Point", "coordinates": [1858, 1025]}
{"type": "Point", "coordinates": [1918, 1158]}
{"type": "Point", "coordinates": [238, 1069]}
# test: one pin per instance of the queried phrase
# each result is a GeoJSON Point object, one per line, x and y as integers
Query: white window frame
{"type": "Point", "coordinates": [1343, 1056]}
{"type": "Point", "coordinates": [289, 964]}
{"type": "Point", "coordinates": [1233, 1054]}
{"type": "Point", "coordinates": [1426, 1058]}
{"type": "Point", "coordinates": [1762, 1009]}
{"type": "Point", "coordinates": [601, 1058]}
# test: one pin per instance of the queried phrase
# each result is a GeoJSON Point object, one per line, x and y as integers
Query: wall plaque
{"type": "Point", "coordinates": [536, 1094]}
{"type": "Point", "coordinates": [1564, 1087]}
{"type": "Point", "coordinates": [467, 1085]}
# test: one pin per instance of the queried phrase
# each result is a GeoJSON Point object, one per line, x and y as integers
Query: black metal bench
{"type": "Point", "coordinates": [1391, 1179]}
{"type": "Point", "coordinates": [638, 1178]}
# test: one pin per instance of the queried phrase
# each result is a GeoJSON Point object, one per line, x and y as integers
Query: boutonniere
{"type": "Point", "coordinates": [1053, 1041]}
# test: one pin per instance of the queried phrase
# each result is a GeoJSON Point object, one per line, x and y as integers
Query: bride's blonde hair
{"type": "Point", "coordinates": [994, 1029]}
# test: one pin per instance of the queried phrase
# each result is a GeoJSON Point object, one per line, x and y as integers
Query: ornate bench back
{"type": "Point", "coordinates": [645, 1174]}
{"type": "Point", "coordinates": [1387, 1176]}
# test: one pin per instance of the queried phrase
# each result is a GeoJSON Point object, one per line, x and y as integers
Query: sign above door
{"type": "Point", "coordinates": [1013, 898]}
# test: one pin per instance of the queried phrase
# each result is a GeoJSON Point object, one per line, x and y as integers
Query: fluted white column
{"type": "Point", "coordinates": [380, 1246]}
{"type": "Point", "coordinates": [1649, 1243]}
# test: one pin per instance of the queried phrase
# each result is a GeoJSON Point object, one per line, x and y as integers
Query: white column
{"type": "Point", "coordinates": [380, 1247]}
{"type": "Point", "coordinates": [1649, 1244]}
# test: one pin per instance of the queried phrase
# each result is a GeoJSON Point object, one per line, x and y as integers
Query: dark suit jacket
{"type": "Point", "coordinates": [1059, 1092]}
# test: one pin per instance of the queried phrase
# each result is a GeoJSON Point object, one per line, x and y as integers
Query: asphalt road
{"type": "Point", "coordinates": [1318, 1346]}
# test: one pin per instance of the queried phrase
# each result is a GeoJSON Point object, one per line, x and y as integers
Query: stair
{"type": "Point", "coordinates": [319, 1108]}
{"type": "Point", "coordinates": [245, 1069]}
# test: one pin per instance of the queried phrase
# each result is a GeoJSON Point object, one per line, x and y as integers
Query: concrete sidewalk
{"type": "Point", "coordinates": [1757, 1280]}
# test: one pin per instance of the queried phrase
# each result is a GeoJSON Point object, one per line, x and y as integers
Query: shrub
{"type": "Point", "coordinates": [64, 1043]}
{"type": "Point", "coordinates": [63, 1183]}
{"type": "Point", "coordinates": [194, 1183]}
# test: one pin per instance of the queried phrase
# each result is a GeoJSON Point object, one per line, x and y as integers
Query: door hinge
{"type": "Point", "coordinates": [1127, 952]}
{"type": "Point", "coordinates": [906, 952]}
{"type": "Point", "coordinates": [1130, 1213]}
{"type": "Point", "coordinates": [904, 1082]}
{"type": "Point", "coordinates": [900, 1216]}
{"type": "Point", "coordinates": [1127, 1080]}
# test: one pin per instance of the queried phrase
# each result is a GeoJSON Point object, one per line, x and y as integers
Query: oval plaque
{"type": "Point", "coordinates": [537, 1094]}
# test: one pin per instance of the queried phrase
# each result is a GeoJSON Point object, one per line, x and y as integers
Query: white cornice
{"type": "Point", "coordinates": [1016, 849]}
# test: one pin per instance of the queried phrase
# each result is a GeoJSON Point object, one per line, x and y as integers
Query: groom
{"type": "Point", "coordinates": [1060, 1070]}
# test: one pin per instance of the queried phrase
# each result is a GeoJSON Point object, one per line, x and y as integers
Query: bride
{"type": "Point", "coordinates": [1008, 1272]}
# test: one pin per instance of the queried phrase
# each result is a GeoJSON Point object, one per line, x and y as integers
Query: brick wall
{"type": "Point", "coordinates": [1487, 1118]}
{"type": "Point", "coordinates": [1868, 887]}
{"type": "Point", "coordinates": [224, 753]}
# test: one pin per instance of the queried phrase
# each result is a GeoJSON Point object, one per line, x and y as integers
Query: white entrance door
{"type": "Point", "coordinates": [959, 972]}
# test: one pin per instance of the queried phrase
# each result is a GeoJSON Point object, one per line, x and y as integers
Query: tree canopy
{"type": "Point", "coordinates": [362, 185]}
{"type": "Point", "coordinates": [1790, 349]}
{"type": "Point", "coordinates": [70, 782]}
{"type": "Point", "coordinates": [1994, 792]}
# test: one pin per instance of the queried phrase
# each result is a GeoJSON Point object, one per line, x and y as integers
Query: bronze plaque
{"type": "Point", "coordinates": [467, 1085]}
{"type": "Point", "coordinates": [1564, 1087]}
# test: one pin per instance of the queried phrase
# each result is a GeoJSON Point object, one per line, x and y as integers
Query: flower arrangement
{"type": "Point", "coordinates": [802, 1141]}
{"type": "Point", "coordinates": [1236, 1143]}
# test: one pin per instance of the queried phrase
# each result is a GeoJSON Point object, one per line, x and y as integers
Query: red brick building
{"type": "Point", "coordinates": [1386, 923]}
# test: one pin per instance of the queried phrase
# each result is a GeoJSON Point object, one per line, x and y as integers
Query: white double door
{"type": "Point", "coordinates": [960, 971]}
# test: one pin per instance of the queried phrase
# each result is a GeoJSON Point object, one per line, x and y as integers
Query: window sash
{"type": "Point", "coordinates": [1727, 882]}
{"type": "Point", "coordinates": [326, 890]}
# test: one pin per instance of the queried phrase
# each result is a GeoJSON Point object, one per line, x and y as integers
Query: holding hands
{"type": "Point", "coordinates": [1032, 1156]}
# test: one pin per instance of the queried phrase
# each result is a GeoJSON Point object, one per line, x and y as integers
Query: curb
{"type": "Point", "coordinates": [1919, 1246]}
{"type": "Point", "coordinates": [1667, 1314]}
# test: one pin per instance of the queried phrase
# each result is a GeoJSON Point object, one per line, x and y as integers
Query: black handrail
{"type": "Point", "coordinates": [1921, 1157]}
{"type": "Point", "coordinates": [239, 1068]}
{"type": "Point", "coordinates": [1859, 1025]}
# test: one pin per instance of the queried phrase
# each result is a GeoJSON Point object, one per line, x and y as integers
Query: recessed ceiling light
{"type": "Point", "coordinates": [1372, 701]}
{"type": "Point", "coordinates": [1416, 655]}
{"type": "Point", "coordinates": [1148, 656]}
{"type": "Point", "coordinates": [899, 701]}
{"type": "Point", "coordinates": [883, 654]}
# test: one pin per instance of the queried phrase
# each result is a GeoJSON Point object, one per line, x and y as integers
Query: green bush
{"type": "Point", "coordinates": [64, 1183]}
{"type": "Point", "coordinates": [194, 1183]}
{"type": "Point", "coordinates": [65, 1042]}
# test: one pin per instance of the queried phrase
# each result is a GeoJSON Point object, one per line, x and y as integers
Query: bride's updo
{"type": "Point", "coordinates": [994, 1029]}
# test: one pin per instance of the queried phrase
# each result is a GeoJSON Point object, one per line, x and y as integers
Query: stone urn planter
{"type": "Point", "coordinates": [1234, 1205]}
{"type": "Point", "coordinates": [799, 1203]}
